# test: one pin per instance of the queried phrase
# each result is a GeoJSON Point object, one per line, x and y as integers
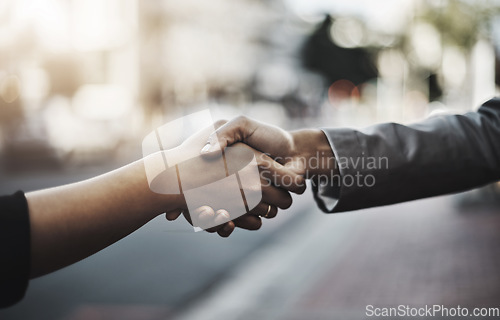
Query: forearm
{"type": "Point", "coordinates": [391, 163]}
{"type": "Point", "coordinates": [71, 222]}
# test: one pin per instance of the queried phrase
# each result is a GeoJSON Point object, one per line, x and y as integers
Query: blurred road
{"type": "Point", "coordinates": [161, 268]}
{"type": "Point", "coordinates": [333, 267]}
{"type": "Point", "coordinates": [302, 265]}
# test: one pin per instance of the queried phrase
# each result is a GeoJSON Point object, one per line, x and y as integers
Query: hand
{"type": "Point", "coordinates": [305, 152]}
{"type": "Point", "coordinates": [198, 171]}
{"type": "Point", "coordinates": [269, 198]}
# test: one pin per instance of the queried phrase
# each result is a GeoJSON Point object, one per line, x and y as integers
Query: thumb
{"type": "Point", "coordinates": [233, 131]}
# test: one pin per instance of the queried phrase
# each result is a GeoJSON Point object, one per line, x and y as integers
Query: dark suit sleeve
{"type": "Point", "coordinates": [390, 163]}
{"type": "Point", "coordinates": [14, 248]}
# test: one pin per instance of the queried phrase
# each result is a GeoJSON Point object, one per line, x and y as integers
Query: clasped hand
{"type": "Point", "coordinates": [273, 182]}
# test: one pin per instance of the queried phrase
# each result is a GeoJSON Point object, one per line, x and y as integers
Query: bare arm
{"type": "Point", "coordinates": [71, 222]}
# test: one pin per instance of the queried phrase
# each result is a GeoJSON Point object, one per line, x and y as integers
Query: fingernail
{"type": "Point", "coordinates": [210, 147]}
{"type": "Point", "coordinates": [221, 216]}
{"type": "Point", "coordinates": [206, 148]}
{"type": "Point", "coordinates": [223, 213]}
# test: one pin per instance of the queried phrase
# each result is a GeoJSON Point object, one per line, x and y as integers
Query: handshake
{"type": "Point", "coordinates": [219, 175]}
{"type": "Point", "coordinates": [232, 174]}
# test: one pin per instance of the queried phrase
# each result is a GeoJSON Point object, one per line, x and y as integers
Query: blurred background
{"type": "Point", "coordinates": [83, 81]}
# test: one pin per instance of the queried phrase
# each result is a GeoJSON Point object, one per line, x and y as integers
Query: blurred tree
{"type": "Point", "coordinates": [460, 22]}
{"type": "Point", "coordinates": [322, 55]}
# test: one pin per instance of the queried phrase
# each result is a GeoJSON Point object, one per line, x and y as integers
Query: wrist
{"type": "Point", "coordinates": [314, 150]}
{"type": "Point", "coordinates": [151, 203]}
{"type": "Point", "coordinates": [161, 203]}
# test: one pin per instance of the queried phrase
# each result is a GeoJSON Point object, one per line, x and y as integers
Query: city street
{"type": "Point", "coordinates": [302, 265]}
{"type": "Point", "coordinates": [332, 267]}
{"type": "Point", "coordinates": [162, 267]}
{"type": "Point", "coordinates": [404, 91]}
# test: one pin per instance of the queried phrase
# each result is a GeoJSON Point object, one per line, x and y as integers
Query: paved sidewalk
{"type": "Point", "coordinates": [333, 266]}
{"type": "Point", "coordinates": [162, 267]}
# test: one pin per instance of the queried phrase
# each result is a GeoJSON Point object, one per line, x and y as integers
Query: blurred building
{"type": "Point", "coordinates": [83, 80]}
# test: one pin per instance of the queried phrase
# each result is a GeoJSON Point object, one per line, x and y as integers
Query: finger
{"type": "Point", "coordinates": [173, 214]}
{"type": "Point", "coordinates": [260, 209]}
{"type": "Point", "coordinates": [270, 213]}
{"type": "Point", "coordinates": [219, 220]}
{"type": "Point", "coordinates": [264, 210]}
{"type": "Point", "coordinates": [253, 133]}
{"type": "Point", "coordinates": [219, 123]}
{"type": "Point", "coordinates": [276, 196]}
{"type": "Point", "coordinates": [187, 216]}
{"type": "Point", "coordinates": [222, 216]}
{"type": "Point", "coordinates": [226, 229]}
{"type": "Point", "coordinates": [205, 214]}
{"type": "Point", "coordinates": [281, 176]}
{"type": "Point", "coordinates": [248, 222]}
{"type": "Point", "coordinates": [233, 131]}
{"type": "Point", "coordinates": [213, 229]}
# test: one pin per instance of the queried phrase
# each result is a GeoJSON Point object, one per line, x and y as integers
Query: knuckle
{"type": "Point", "coordinates": [220, 123]}
{"type": "Point", "coordinates": [258, 209]}
{"type": "Point", "coordinates": [301, 189]}
{"type": "Point", "coordinates": [287, 203]}
{"type": "Point", "coordinates": [258, 224]}
{"type": "Point", "coordinates": [224, 234]}
{"type": "Point", "coordinates": [241, 119]}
